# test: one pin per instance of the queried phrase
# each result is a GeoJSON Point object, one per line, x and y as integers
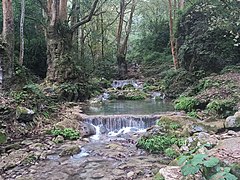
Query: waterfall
{"type": "Point", "coordinates": [122, 83]}
{"type": "Point", "coordinates": [117, 122]}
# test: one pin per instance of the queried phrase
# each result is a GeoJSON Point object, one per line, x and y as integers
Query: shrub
{"type": "Point", "coordinates": [222, 107]}
{"type": "Point", "coordinates": [157, 143]}
{"type": "Point", "coordinates": [67, 133]}
{"type": "Point", "coordinates": [187, 104]}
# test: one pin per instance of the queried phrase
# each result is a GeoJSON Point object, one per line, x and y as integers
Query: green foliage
{"type": "Point", "coordinates": [170, 152]}
{"type": "Point", "coordinates": [193, 114]}
{"type": "Point", "coordinates": [67, 133]}
{"type": "Point", "coordinates": [208, 166]}
{"type": "Point", "coordinates": [158, 143]}
{"type": "Point", "coordinates": [3, 137]}
{"type": "Point", "coordinates": [224, 107]}
{"type": "Point", "coordinates": [168, 125]}
{"type": "Point", "coordinates": [158, 176]}
{"type": "Point", "coordinates": [187, 104]}
{"type": "Point", "coordinates": [212, 43]}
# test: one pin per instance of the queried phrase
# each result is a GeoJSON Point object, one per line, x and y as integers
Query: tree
{"type": "Point", "coordinates": [172, 38]}
{"type": "Point", "coordinates": [59, 37]}
{"type": "Point", "coordinates": [7, 44]}
{"type": "Point", "coordinates": [122, 40]}
{"type": "Point", "coordinates": [21, 53]}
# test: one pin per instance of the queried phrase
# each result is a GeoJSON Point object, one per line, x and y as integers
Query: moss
{"type": "Point", "coordinates": [3, 137]}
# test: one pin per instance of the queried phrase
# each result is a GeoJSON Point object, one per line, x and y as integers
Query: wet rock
{"type": "Point", "coordinates": [232, 122]}
{"type": "Point", "coordinates": [98, 175]}
{"type": "Point", "coordinates": [87, 129]}
{"type": "Point", "coordinates": [69, 150]}
{"type": "Point", "coordinates": [24, 114]}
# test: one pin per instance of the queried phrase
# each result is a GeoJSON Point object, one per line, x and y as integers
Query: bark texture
{"type": "Point", "coordinates": [122, 39]}
{"type": "Point", "coordinates": [7, 44]}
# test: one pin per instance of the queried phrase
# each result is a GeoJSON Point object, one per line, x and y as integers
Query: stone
{"type": "Point", "coordinates": [13, 159]}
{"type": "Point", "coordinates": [237, 114]}
{"type": "Point", "coordinates": [87, 129]}
{"type": "Point", "coordinates": [232, 122]}
{"type": "Point", "coordinates": [24, 114]}
{"type": "Point", "coordinates": [130, 174]}
{"type": "Point", "coordinates": [69, 150]}
{"type": "Point", "coordinates": [68, 123]}
{"type": "Point", "coordinates": [171, 172]}
{"type": "Point", "coordinates": [58, 139]}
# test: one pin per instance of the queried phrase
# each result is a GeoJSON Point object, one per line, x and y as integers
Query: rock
{"type": "Point", "coordinates": [24, 114]}
{"type": "Point", "coordinates": [87, 129]}
{"type": "Point", "coordinates": [69, 150]}
{"type": "Point", "coordinates": [232, 133]}
{"type": "Point", "coordinates": [237, 114]}
{"type": "Point", "coordinates": [68, 123]}
{"type": "Point", "coordinates": [13, 159]}
{"type": "Point", "coordinates": [58, 139]}
{"type": "Point", "coordinates": [98, 175]}
{"type": "Point", "coordinates": [171, 172]}
{"type": "Point", "coordinates": [205, 138]}
{"type": "Point", "coordinates": [232, 122]}
{"type": "Point", "coordinates": [130, 174]}
{"type": "Point", "coordinates": [227, 150]}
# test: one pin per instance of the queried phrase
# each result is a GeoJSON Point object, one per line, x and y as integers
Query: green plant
{"type": "Point", "coordinates": [208, 166]}
{"type": "Point", "coordinates": [222, 107]}
{"type": "Point", "coordinates": [170, 152]}
{"type": "Point", "coordinates": [158, 143]}
{"type": "Point", "coordinates": [67, 133]}
{"type": "Point", "coordinates": [193, 114]}
{"type": "Point", "coordinates": [168, 125]}
{"type": "Point", "coordinates": [187, 104]}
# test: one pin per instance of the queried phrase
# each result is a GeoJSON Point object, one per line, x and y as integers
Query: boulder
{"type": "Point", "coordinates": [68, 123]}
{"type": "Point", "coordinates": [87, 129]}
{"type": "Point", "coordinates": [232, 122]}
{"type": "Point", "coordinates": [69, 150]}
{"type": "Point", "coordinates": [171, 173]}
{"type": "Point", "coordinates": [24, 114]}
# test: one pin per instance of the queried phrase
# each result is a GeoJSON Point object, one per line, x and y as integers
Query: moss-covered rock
{"type": "Point", "coordinates": [69, 150]}
{"type": "Point", "coordinates": [24, 114]}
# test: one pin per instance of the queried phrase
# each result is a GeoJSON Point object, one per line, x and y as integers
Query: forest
{"type": "Point", "coordinates": [120, 89]}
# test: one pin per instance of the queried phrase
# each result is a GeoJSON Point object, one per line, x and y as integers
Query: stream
{"type": "Point", "coordinates": [109, 154]}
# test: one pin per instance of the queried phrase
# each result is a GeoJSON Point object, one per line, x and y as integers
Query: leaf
{"type": "Point", "coordinates": [198, 159]}
{"type": "Point", "coordinates": [188, 169]}
{"type": "Point", "coordinates": [182, 160]}
{"type": "Point", "coordinates": [223, 176]}
{"type": "Point", "coordinates": [211, 162]}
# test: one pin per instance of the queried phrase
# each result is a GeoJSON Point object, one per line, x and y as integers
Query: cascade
{"type": "Point", "coordinates": [117, 122]}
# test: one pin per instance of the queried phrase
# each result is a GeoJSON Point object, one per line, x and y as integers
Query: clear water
{"type": "Point", "coordinates": [129, 107]}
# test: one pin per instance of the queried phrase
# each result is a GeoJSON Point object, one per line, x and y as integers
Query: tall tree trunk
{"type": "Point", "coordinates": [21, 54]}
{"type": "Point", "coordinates": [172, 38]}
{"type": "Point", "coordinates": [122, 41]}
{"type": "Point", "coordinates": [7, 44]}
{"type": "Point", "coordinates": [59, 37]}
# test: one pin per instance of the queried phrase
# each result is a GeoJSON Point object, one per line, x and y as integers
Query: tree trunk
{"type": "Point", "coordinates": [122, 41]}
{"type": "Point", "coordinates": [172, 39]}
{"type": "Point", "coordinates": [21, 54]}
{"type": "Point", "coordinates": [59, 36]}
{"type": "Point", "coordinates": [7, 43]}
